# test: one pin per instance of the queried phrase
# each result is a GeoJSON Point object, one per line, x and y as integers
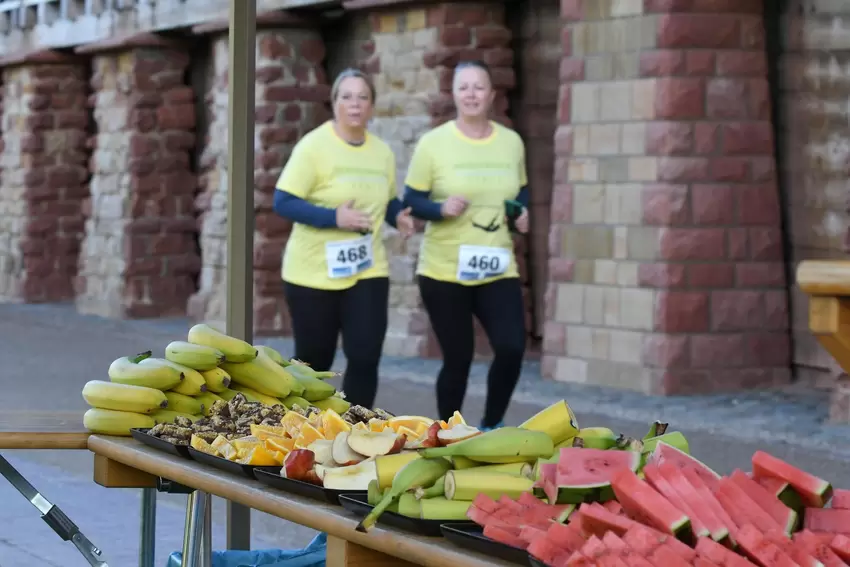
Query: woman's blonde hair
{"type": "Point", "coordinates": [351, 72]}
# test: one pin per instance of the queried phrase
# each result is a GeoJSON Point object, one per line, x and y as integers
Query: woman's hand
{"type": "Point", "coordinates": [349, 218]}
{"type": "Point", "coordinates": [521, 222]}
{"type": "Point", "coordinates": [453, 207]}
{"type": "Point", "coordinates": [404, 223]}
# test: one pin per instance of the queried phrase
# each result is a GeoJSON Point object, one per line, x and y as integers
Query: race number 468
{"type": "Point", "coordinates": [347, 258]}
{"type": "Point", "coordinates": [353, 255]}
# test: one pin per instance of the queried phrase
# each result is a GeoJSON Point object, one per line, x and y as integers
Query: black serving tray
{"type": "Point", "coordinates": [534, 562]}
{"type": "Point", "coordinates": [141, 434]}
{"type": "Point", "coordinates": [223, 464]}
{"type": "Point", "coordinates": [270, 476]}
{"type": "Point", "coordinates": [470, 535]}
{"type": "Point", "coordinates": [357, 504]}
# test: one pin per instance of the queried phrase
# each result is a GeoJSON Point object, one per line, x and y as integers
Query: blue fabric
{"type": "Point", "coordinates": [297, 209]}
{"type": "Point", "coordinates": [394, 207]}
{"type": "Point", "coordinates": [486, 429]}
{"type": "Point", "coordinates": [523, 196]}
{"type": "Point", "coordinates": [311, 556]}
{"type": "Point", "coordinates": [421, 205]}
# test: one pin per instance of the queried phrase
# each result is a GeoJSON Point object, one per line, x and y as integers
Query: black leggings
{"type": "Point", "coordinates": [498, 306]}
{"type": "Point", "coordinates": [360, 312]}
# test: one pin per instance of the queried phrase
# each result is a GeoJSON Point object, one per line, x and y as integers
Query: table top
{"type": "Point", "coordinates": [38, 429]}
{"type": "Point", "coordinates": [334, 520]}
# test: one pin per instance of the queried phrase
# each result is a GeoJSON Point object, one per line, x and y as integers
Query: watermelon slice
{"type": "Point", "coordinates": [760, 550]}
{"type": "Point", "coordinates": [814, 491]}
{"type": "Point", "coordinates": [547, 486]}
{"type": "Point", "coordinates": [632, 559]}
{"type": "Point", "coordinates": [581, 472]}
{"type": "Point", "coordinates": [840, 499]}
{"type": "Point", "coordinates": [547, 551]}
{"type": "Point", "coordinates": [593, 548]}
{"type": "Point", "coordinates": [613, 506]}
{"type": "Point", "coordinates": [478, 515]}
{"type": "Point", "coordinates": [746, 506]}
{"type": "Point", "coordinates": [501, 535]}
{"type": "Point", "coordinates": [664, 555]}
{"type": "Point", "coordinates": [568, 537]}
{"type": "Point", "coordinates": [781, 490]}
{"type": "Point", "coordinates": [702, 512]}
{"type": "Point", "coordinates": [701, 562]}
{"type": "Point", "coordinates": [795, 551]}
{"type": "Point", "coordinates": [840, 544]}
{"type": "Point", "coordinates": [830, 520]}
{"type": "Point", "coordinates": [710, 501]}
{"type": "Point", "coordinates": [653, 476]}
{"type": "Point", "coordinates": [643, 503]}
{"type": "Point", "coordinates": [485, 503]}
{"type": "Point", "coordinates": [598, 521]}
{"type": "Point", "coordinates": [614, 544]}
{"type": "Point", "coordinates": [667, 453]}
{"type": "Point", "coordinates": [820, 550]}
{"type": "Point", "coordinates": [716, 553]}
{"type": "Point", "coordinates": [782, 514]}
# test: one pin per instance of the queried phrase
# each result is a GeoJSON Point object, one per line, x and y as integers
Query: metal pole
{"type": "Point", "coordinates": [147, 548]}
{"type": "Point", "coordinates": [187, 526]}
{"type": "Point", "coordinates": [206, 538]}
{"type": "Point", "coordinates": [240, 207]}
{"type": "Point", "coordinates": [192, 547]}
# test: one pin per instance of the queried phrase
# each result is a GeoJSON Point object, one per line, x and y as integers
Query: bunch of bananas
{"type": "Point", "coordinates": [209, 366]}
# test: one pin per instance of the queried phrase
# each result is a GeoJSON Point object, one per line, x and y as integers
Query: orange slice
{"type": "Point", "coordinates": [410, 421]}
{"type": "Point", "coordinates": [360, 426]}
{"type": "Point", "coordinates": [421, 429]}
{"type": "Point", "coordinates": [199, 444]}
{"type": "Point", "coordinates": [316, 420]}
{"type": "Point", "coordinates": [262, 431]}
{"type": "Point", "coordinates": [307, 435]}
{"type": "Point", "coordinates": [292, 422]}
{"type": "Point", "coordinates": [411, 435]}
{"type": "Point", "coordinates": [456, 419]}
{"type": "Point", "coordinates": [444, 425]}
{"type": "Point", "coordinates": [377, 425]}
{"type": "Point", "coordinates": [281, 445]}
{"type": "Point", "coordinates": [223, 447]}
{"type": "Point", "coordinates": [258, 456]}
{"type": "Point", "coordinates": [333, 424]}
{"type": "Point", "coordinates": [246, 443]}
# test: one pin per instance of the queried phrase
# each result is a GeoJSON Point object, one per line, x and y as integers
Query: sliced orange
{"type": "Point", "coordinates": [245, 442]}
{"type": "Point", "coordinates": [307, 435]}
{"type": "Point", "coordinates": [223, 447]}
{"type": "Point", "coordinates": [360, 426]}
{"type": "Point", "coordinates": [377, 425]}
{"type": "Point", "coordinates": [262, 431]}
{"type": "Point", "coordinates": [411, 435]}
{"type": "Point", "coordinates": [421, 429]}
{"type": "Point", "coordinates": [292, 422]}
{"type": "Point", "coordinates": [199, 444]}
{"type": "Point", "coordinates": [316, 420]}
{"type": "Point", "coordinates": [333, 424]}
{"type": "Point", "coordinates": [410, 421]}
{"type": "Point", "coordinates": [456, 419]}
{"type": "Point", "coordinates": [444, 425]}
{"type": "Point", "coordinates": [278, 444]}
{"type": "Point", "coordinates": [260, 457]}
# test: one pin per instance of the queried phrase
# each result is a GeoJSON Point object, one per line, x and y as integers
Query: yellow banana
{"type": "Point", "coordinates": [306, 370]}
{"type": "Point", "coordinates": [272, 353]}
{"type": "Point", "coordinates": [199, 357]}
{"type": "Point", "coordinates": [168, 416]}
{"type": "Point", "coordinates": [207, 399]}
{"type": "Point", "coordinates": [557, 420]}
{"type": "Point", "coordinates": [469, 483]}
{"type": "Point", "coordinates": [228, 394]}
{"type": "Point", "coordinates": [112, 422]}
{"type": "Point", "coordinates": [265, 376]}
{"type": "Point", "coordinates": [255, 396]}
{"type": "Point", "coordinates": [413, 475]}
{"type": "Point", "coordinates": [503, 445]}
{"type": "Point", "coordinates": [339, 405]}
{"type": "Point", "coordinates": [184, 404]}
{"type": "Point", "coordinates": [217, 380]}
{"type": "Point", "coordinates": [314, 389]}
{"type": "Point", "coordinates": [128, 370]}
{"type": "Point", "coordinates": [193, 382]}
{"type": "Point", "coordinates": [439, 508]}
{"type": "Point", "coordinates": [123, 397]}
{"type": "Point", "coordinates": [597, 437]}
{"type": "Point", "coordinates": [234, 350]}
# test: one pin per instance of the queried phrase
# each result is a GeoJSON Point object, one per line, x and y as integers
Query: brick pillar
{"type": "Point", "coordinates": [292, 93]}
{"type": "Point", "coordinates": [139, 256]}
{"type": "Point", "coordinates": [44, 124]}
{"type": "Point", "coordinates": [667, 271]}
{"type": "Point", "coordinates": [415, 51]}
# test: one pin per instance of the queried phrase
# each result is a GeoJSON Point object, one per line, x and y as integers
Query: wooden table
{"type": "Point", "coordinates": [124, 462]}
{"type": "Point", "coordinates": [42, 430]}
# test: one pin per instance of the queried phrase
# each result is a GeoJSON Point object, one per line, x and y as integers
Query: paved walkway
{"type": "Point", "coordinates": [49, 352]}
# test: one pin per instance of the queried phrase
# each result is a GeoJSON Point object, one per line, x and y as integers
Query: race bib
{"type": "Point", "coordinates": [479, 262]}
{"type": "Point", "coordinates": [348, 258]}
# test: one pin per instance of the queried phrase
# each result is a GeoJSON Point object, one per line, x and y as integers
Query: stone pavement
{"type": "Point", "coordinates": [49, 352]}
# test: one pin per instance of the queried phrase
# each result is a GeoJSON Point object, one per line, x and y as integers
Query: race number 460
{"type": "Point", "coordinates": [479, 262]}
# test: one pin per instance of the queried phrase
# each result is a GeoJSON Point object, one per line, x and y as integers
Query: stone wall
{"type": "Point", "coordinates": [814, 132]}
{"type": "Point", "coordinates": [44, 176]}
{"type": "Point", "coordinates": [291, 99]}
{"type": "Point", "coordinates": [667, 262]}
{"type": "Point", "coordinates": [139, 255]}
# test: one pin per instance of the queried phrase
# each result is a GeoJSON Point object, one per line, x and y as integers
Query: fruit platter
{"type": "Point", "coordinates": [544, 493]}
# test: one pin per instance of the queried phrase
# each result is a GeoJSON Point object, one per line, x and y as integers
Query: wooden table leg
{"type": "Point", "coordinates": [342, 553]}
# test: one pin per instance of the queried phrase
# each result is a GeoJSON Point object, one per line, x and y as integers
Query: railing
{"type": "Point", "coordinates": [827, 283]}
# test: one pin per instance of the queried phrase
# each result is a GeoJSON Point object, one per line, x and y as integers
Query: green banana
{"type": "Point", "coordinates": [674, 438]}
{"type": "Point", "coordinates": [112, 422]}
{"type": "Point", "coordinates": [184, 404]}
{"type": "Point", "coordinates": [438, 508]}
{"type": "Point", "coordinates": [193, 382]}
{"type": "Point", "coordinates": [626, 443]}
{"type": "Point", "coordinates": [436, 489]}
{"type": "Point", "coordinates": [291, 401]}
{"type": "Point", "coordinates": [123, 397]}
{"type": "Point", "coordinates": [568, 442]}
{"type": "Point", "coordinates": [503, 445]}
{"type": "Point", "coordinates": [207, 399]}
{"type": "Point", "coordinates": [305, 369]}
{"type": "Point", "coordinates": [168, 416]}
{"type": "Point", "coordinates": [314, 388]}
{"type": "Point", "coordinates": [335, 403]}
{"type": "Point", "coordinates": [198, 357]}
{"type": "Point", "coordinates": [265, 376]}
{"type": "Point", "coordinates": [408, 505]}
{"type": "Point", "coordinates": [597, 437]}
{"type": "Point", "coordinates": [217, 380]}
{"type": "Point", "coordinates": [273, 354]}
{"type": "Point", "coordinates": [373, 493]}
{"type": "Point", "coordinates": [128, 370]}
{"type": "Point", "coordinates": [255, 396]}
{"type": "Point", "coordinates": [233, 349]}
{"type": "Point", "coordinates": [227, 394]}
{"type": "Point", "coordinates": [417, 473]}
{"type": "Point", "coordinates": [655, 429]}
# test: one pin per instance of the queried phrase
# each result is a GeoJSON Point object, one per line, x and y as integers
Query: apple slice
{"type": "Point", "coordinates": [373, 444]}
{"type": "Point", "coordinates": [323, 449]}
{"type": "Point", "coordinates": [342, 453]}
{"type": "Point", "coordinates": [298, 464]}
{"type": "Point", "coordinates": [457, 433]}
{"type": "Point", "coordinates": [354, 477]}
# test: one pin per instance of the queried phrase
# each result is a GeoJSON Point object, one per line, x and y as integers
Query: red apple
{"type": "Point", "coordinates": [373, 444]}
{"type": "Point", "coordinates": [342, 454]}
{"type": "Point", "coordinates": [457, 433]}
{"type": "Point", "coordinates": [297, 464]}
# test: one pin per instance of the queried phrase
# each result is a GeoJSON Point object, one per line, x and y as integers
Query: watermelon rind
{"type": "Point", "coordinates": [815, 492]}
{"type": "Point", "coordinates": [668, 453]}
{"type": "Point", "coordinates": [598, 491]}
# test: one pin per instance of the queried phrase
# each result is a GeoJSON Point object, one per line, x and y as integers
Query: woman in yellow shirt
{"type": "Point", "coordinates": [339, 187]}
{"type": "Point", "coordinates": [467, 178]}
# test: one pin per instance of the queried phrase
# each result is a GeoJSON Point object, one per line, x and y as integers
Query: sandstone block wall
{"type": "Point", "coordinates": [292, 93]}
{"type": "Point", "coordinates": [139, 256]}
{"type": "Point", "coordinates": [44, 176]}
{"type": "Point", "coordinates": [667, 266]}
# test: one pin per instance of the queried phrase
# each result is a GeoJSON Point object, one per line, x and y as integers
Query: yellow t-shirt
{"type": "Point", "coordinates": [326, 171]}
{"type": "Point", "coordinates": [475, 247]}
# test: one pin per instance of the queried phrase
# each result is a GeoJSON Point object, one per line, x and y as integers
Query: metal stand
{"type": "Point", "coordinates": [147, 545]}
{"type": "Point", "coordinates": [197, 536]}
